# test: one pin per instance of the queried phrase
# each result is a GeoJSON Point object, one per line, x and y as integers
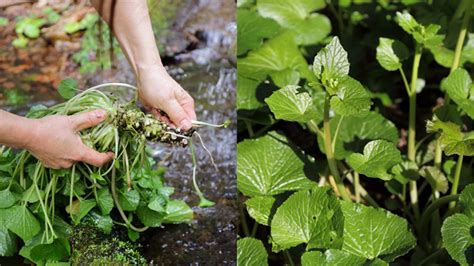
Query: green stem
{"type": "Point", "coordinates": [357, 186]}
{"type": "Point", "coordinates": [457, 176]}
{"type": "Point", "coordinates": [425, 218]}
{"type": "Point", "coordinates": [412, 127]}
{"type": "Point", "coordinates": [249, 129]}
{"type": "Point", "coordinates": [336, 133]}
{"type": "Point", "coordinates": [71, 191]}
{"type": "Point", "coordinates": [288, 257]}
{"type": "Point", "coordinates": [330, 153]}
{"type": "Point", "coordinates": [119, 207]}
{"type": "Point", "coordinates": [405, 81]}
{"type": "Point", "coordinates": [254, 229]}
{"type": "Point", "coordinates": [461, 36]}
{"type": "Point", "coordinates": [431, 256]}
{"type": "Point", "coordinates": [243, 220]}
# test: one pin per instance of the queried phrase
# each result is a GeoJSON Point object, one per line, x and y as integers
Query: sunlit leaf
{"type": "Point", "coordinates": [310, 216]}
{"type": "Point", "coordinates": [269, 165]}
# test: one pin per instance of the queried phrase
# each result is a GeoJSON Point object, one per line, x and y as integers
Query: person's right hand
{"type": "Point", "coordinates": [55, 140]}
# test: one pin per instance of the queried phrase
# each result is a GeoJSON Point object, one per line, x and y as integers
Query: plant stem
{"type": "Point", "coordinates": [457, 176]}
{"type": "Point", "coordinates": [119, 207]}
{"type": "Point", "coordinates": [330, 153]}
{"type": "Point", "coordinates": [431, 256]}
{"type": "Point", "coordinates": [461, 36]}
{"type": "Point", "coordinates": [288, 257]}
{"type": "Point", "coordinates": [357, 186]}
{"type": "Point", "coordinates": [254, 229]}
{"type": "Point", "coordinates": [243, 220]}
{"type": "Point", "coordinates": [249, 129]}
{"type": "Point", "coordinates": [423, 224]}
{"type": "Point", "coordinates": [456, 61]}
{"type": "Point", "coordinates": [412, 127]}
{"type": "Point", "coordinates": [336, 133]}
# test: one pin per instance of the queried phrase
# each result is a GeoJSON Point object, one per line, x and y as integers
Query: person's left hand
{"type": "Point", "coordinates": [159, 91]}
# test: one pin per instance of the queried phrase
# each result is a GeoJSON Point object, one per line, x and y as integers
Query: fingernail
{"type": "Point", "coordinates": [99, 113]}
{"type": "Point", "coordinates": [186, 124]}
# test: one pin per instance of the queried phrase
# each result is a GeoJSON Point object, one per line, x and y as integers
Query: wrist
{"type": "Point", "coordinates": [27, 133]}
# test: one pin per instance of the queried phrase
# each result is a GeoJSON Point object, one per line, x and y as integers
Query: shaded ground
{"type": "Point", "coordinates": [199, 54]}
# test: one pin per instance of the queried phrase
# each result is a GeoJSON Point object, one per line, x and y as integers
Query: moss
{"type": "Point", "coordinates": [90, 246]}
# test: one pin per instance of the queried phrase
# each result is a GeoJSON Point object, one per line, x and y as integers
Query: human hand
{"type": "Point", "coordinates": [159, 91]}
{"type": "Point", "coordinates": [57, 144]}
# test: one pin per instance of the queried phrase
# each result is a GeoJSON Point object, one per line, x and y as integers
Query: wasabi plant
{"type": "Point", "coordinates": [39, 204]}
{"type": "Point", "coordinates": [329, 172]}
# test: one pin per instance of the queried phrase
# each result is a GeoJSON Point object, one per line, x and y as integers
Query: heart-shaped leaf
{"type": "Point", "coordinates": [351, 98]}
{"type": "Point", "coordinates": [331, 257]}
{"type": "Point", "coordinates": [331, 62]}
{"type": "Point", "coordinates": [269, 165]}
{"type": "Point", "coordinates": [259, 208]}
{"type": "Point", "coordinates": [452, 140]}
{"type": "Point", "coordinates": [458, 85]}
{"type": "Point", "coordinates": [379, 156]}
{"type": "Point", "coordinates": [251, 252]}
{"type": "Point", "coordinates": [290, 105]}
{"type": "Point", "coordinates": [310, 216]}
{"type": "Point", "coordinates": [391, 53]}
{"type": "Point", "coordinates": [375, 233]}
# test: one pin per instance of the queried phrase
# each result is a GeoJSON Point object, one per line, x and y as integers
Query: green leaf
{"type": "Point", "coordinates": [355, 132]}
{"type": "Point", "coordinates": [133, 235]}
{"type": "Point", "coordinates": [158, 204]}
{"type": "Point", "coordinates": [247, 93]}
{"type": "Point", "coordinates": [269, 166]}
{"type": "Point", "coordinates": [351, 98]}
{"type": "Point", "coordinates": [150, 217]}
{"type": "Point", "coordinates": [259, 208]}
{"type": "Point", "coordinates": [3, 21]}
{"type": "Point", "coordinates": [20, 42]}
{"type": "Point", "coordinates": [58, 250]}
{"type": "Point", "coordinates": [466, 200]}
{"type": "Point", "coordinates": [331, 62]}
{"type": "Point", "coordinates": [177, 211]}
{"type": "Point", "coordinates": [405, 171]}
{"type": "Point", "coordinates": [290, 105]}
{"type": "Point", "coordinates": [306, 33]}
{"type": "Point", "coordinates": [423, 35]}
{"type": "Point", "coordinates": [452, 140]}
{"type": "Point", "coordinates": [129, 200]}
{"type": "Point", "coordinates": [7, 198]}
{"type": "Point", "coordinates": [251, 252]}
{"type": "Point", "coordinates": [67, 88]}
{"type": "Point", "coordinates": [253, 29]}
{"type": "Point", "coordinates": [276, 55]}
{"type": "Point", "coordinates": [436, 178]}
{"type": "Point", "coordinates": [286, 77]}
{"type": "Point", "coordinates": [391, 53]}
{"type": "Point", "coordinates": [375, 233]}
{"type": "Point", "coordinates": [458, 239]}
{"type": "Point", "coordinates": [31, 31]}
{"type": "Point", "coordinates": [310, 216]}
{"type": "Point", "coordinates": [103, 222]}
{"type": "Point", "coordinates": [288, 14]}
{"type": "Point", "coordinates": [81, 208]}
{"type": "Point", "coordinates": [105, 201]}
{"type": "Point", "coordinates": [379, 156]}
{"type": "Point", "coordinates": [331, 257]}
{"type": "Point", "coordinates": [21, 221]}
{"type": "Point", "coordinates": [72, 27]}
{"type": "Point", "coordinates": [458, 85]}
{"type": "Point", "coordinates": [8, 246]}
{"type": "Point", "coordinates": [203, 202]}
